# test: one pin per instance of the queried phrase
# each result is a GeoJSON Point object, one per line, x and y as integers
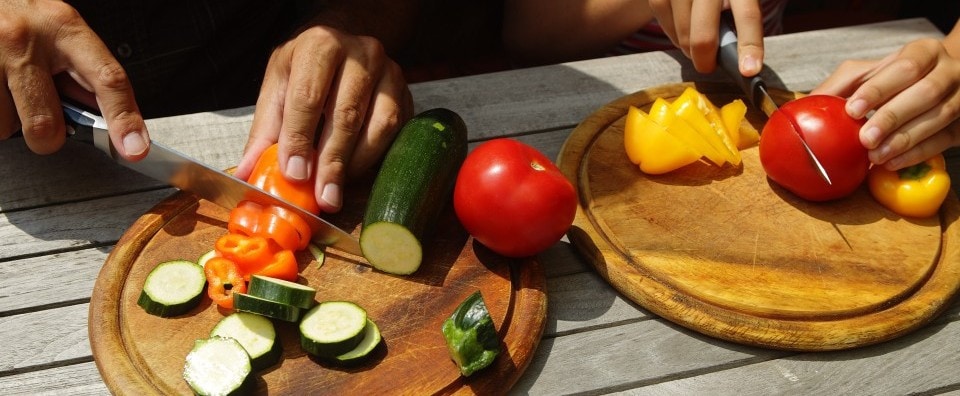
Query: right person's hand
{"type": "Point", "coordinates": [340, 86]}
{"type": "Point", "coordinates": [915, 94]}
{"type": "Point", "coordinates": [45, 40]}
{"type": "Point", "coordinates": [694, 28]}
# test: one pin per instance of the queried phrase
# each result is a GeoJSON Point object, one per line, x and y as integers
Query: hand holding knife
{"type": "Point", "coordinates": [754, 87]}
{"type": "Point", "coordinates": [178, 170]}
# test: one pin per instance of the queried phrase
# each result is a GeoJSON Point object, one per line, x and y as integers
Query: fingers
{"type": "Point", "coordinates": [347, 111]}
{"type": "Point", "coordinates": [391, 106]}
{"type": "Point", "coordinates": [663, 11]}
{"type": "Point", "coordinates": [845, 80]}
{"type": "Point", "coordinates": [94, 67]}
{"type": "Point", "coordinates": [749, 21]}
{"type": "Point", "coordinates": [944, 139]}
{"type": "Point", "coordinates": [38, 106]}
{"type": "Point", "coordinates": [703, 40]}
{"type": "Point", "coordinates": [267, 118]}
{"type": "Point", "coordinates": [912, 63]}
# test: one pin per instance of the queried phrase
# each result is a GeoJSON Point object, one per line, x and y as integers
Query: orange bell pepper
{"type": "Point", "coordinates": [249, 253]}
{"type": "Point", "coordinates": [283, 266]}
{"type": "Point", "coordinates": [274, 223]}
{"type": "Point", "coordinates": [223, 279]}
{"type": "Point", "coordinates": [266, 174]}
{"type": "Point", "coordinates": [914, 191]}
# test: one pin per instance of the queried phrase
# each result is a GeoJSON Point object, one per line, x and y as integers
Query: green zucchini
{"type": "Point", "coordinates": [282, 291]}
{"type": "Point", "coordinates": [172, 288]}
{"type": "Point", "coordinates": [471, 336]}
{"type": "Point", "coordinates": [371, 339]}
{"type": "Point", "coordinates": [332, 328]}
{"type": "Point", "coordinates": [218, 366]}
{"type": "Point", "coordinates": [413, 185]}
{"type": "Point", "coordinates": [255, 333]}
{"type": "Point", "coordinates": [272, 309]}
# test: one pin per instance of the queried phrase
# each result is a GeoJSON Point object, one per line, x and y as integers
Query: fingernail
{"type": "Point", "coordinates": [331, 195]}
{"type": "Point", "coordinates": [297, 168]}
{"type": "Point", "coordinates": [134, 143]}
{"type": "Point", "coordinates": [750, 65]}
{"type": "Point", "coordinates": [857, 108]}
{"type": "Point", "coordinates": [870, 137]}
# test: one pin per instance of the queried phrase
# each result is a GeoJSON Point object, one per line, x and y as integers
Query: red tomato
{"type": "Point", "coordinates": [513, 199]}
{"type": "Point", "coordinates": [831, 134]}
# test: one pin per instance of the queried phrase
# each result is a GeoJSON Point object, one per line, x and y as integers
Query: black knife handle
{"type": "Point", "coordinates": [729, 60]}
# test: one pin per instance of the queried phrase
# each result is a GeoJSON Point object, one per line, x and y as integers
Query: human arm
{"type": "Point", "coordinates": [915, 96]}
{"type": "Point", "coordinates": [694, 29]}
{"type": "Point", "coordinates": [47, 49]}
{"type": "Point", "coordinates": [547, 31]}
{"type": "Point", "coordinates": [335, 78]}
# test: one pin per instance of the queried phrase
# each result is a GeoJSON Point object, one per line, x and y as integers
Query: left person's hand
{"type": "Point", "coordinates": [916, 97]}
{"type": "Point", "coordinates": [343, 86]}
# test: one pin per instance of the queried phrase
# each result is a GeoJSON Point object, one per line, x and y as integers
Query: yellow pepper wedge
{"type": "Point", "coordinates": [661, 112]}
{"type": "Point", "coordinates": [652, 147]}
{"type": "Point", "coordinates": [743, 135]}
{"type": "Point", "coordinates": [914, 191]}
{"type": "Point", "coordinates": [689, 107]}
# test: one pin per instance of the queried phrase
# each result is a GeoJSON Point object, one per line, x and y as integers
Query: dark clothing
{"type": "Point", "coordinates": [186, 56]}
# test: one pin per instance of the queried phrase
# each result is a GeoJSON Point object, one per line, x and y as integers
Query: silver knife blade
{"type": "Point", "coordinates": [169, 166]}
{"type": "Point", "coordinates": [755, 88]}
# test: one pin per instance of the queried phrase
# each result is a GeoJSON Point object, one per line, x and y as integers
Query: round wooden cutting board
{"type": "Point", "coordinates": [140, 354]}
{"type": "Point", "coordinates": [727, 253]}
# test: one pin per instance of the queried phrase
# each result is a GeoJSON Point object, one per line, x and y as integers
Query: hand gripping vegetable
{"type": "Point", "coordinates": [915, 191]}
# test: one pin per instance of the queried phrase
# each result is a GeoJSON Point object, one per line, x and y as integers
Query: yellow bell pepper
{"type": "Point", "coordinates": [652, 147]}
{"type": "Point", "coordinates": [914, 191]}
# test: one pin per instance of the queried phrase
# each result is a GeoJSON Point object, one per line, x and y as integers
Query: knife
{"type": "Point", "coordinates": [171, 167]}
{"type": "Point", "coordinates": [754, 87]}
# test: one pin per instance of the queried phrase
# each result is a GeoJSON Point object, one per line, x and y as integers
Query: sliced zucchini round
{"type": "Point", "coordinates": [255, 333]}
{"type": "Point", "coordinates": [202, 261]}
{"type": "Point", "coordinates": [332, 328]}
{"type": "Point", "coordinates": [172, 288]}
{"type": "Point", "coordinates": [282, 291]}
{"type": "Point", "coordinates": [271, 309]}
{"type": "Point", "coordinates": [359, 354]}
{"type": "Point", "coordinates": [218, 366]}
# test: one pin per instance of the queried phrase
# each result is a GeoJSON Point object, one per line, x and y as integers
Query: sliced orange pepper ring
{"type": "Point", "coordinates": [223, 279]}
{"type": "Point", "coordinates": [249, 253]}
{"type": "Point", "coordinates": [284, 266]}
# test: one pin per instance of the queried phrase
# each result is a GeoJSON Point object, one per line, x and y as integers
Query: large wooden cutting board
{"type": "Point", "coordinates": [141, 354]}
{"type": "Point", "coordinates": [725, 252]}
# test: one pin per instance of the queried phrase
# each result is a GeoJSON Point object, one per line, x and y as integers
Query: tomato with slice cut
{"type": "Point", "coordinates": [832, 135]}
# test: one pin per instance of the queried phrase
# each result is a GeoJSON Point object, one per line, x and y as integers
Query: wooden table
{"type": "Point", "coordinates": [60, 215]}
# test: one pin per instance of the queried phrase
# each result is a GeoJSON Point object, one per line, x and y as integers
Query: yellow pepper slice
{"type": "Point", "coordinates": [652, 147]}
{"type": "Point", "coordinates": [689, 107]}
{"type": "Point", "coordinates": [914, 191]}
{"type": "Point", "coordinates": [742, 134]}
{"type": "Point", "coordinates": [660, 113]}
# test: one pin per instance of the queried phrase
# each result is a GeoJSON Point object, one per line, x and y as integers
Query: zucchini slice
{"type": "Point", "coordinates": [332, 328]}
{"type": "Point", "coordinates": [255, 333]}
{"type": "Point", "coordinates": [414, 184]}
{"type": "Point", "coordinates": [218, 366]}
{"type": "Point", "coordinates": [202, 261]}
{"type": "Point", "coordinates": [471, 335]}
{"type": "Point", "coordinates": [371, 339]}
{"type": "Point", "coordinates": [248, 303]}
{"type": "Point", "coordinates": [172, 288]}
{"type": "Point", "coordinates": [282, 291]}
